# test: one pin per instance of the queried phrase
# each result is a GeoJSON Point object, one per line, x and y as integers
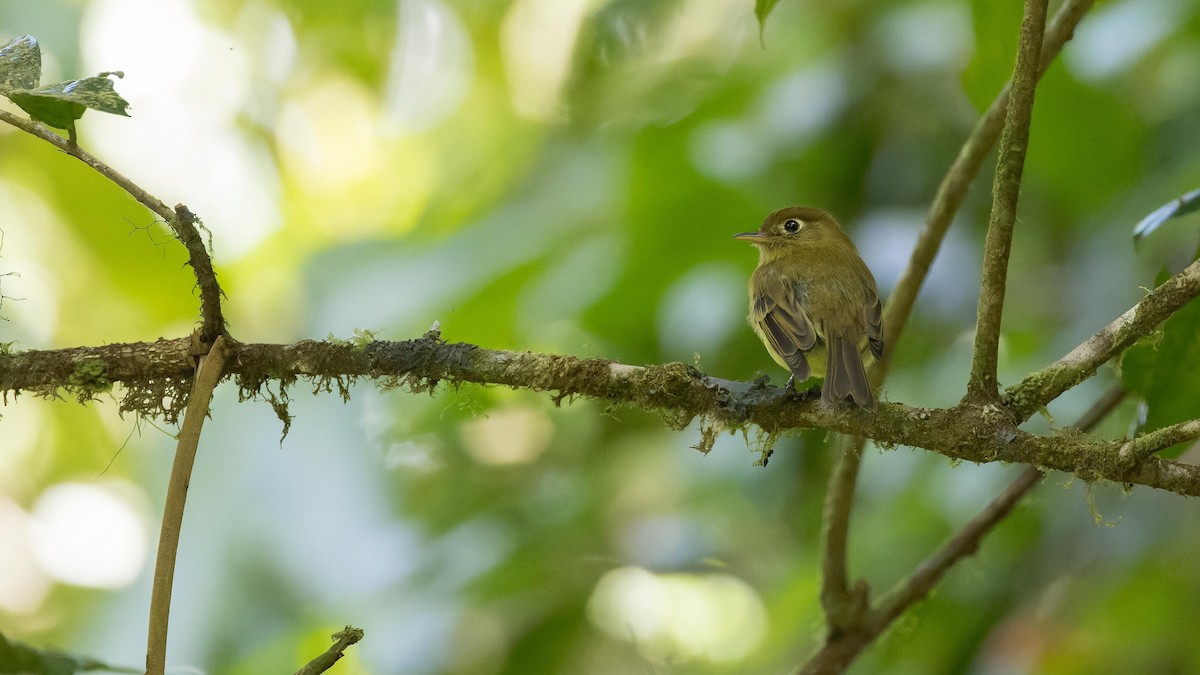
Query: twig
{"type": "Point", "coordinates": [1014, 141]}
{"type": "Point", "coordinates": [33, 128]}
{"type": "Point", "coordinates": [1138, 449]}
{"type": "Point", "coordinates": [181, 221]}
{"type": "Point", "coordinates": [324, 661]}
{"type": "Point", "coordinates": [208, 374]}
{"type": "Point", "coordinates": [1037, 389]}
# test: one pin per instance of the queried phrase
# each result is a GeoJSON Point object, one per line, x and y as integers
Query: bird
{"type": "Point", "coordinates": [814, 303]}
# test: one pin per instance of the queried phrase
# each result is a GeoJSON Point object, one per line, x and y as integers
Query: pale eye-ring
{"type": "Point", "coordinates": [791, 225]}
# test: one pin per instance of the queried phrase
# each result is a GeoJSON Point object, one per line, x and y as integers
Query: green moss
{"type": "Point", "coordinates": [88, 379]}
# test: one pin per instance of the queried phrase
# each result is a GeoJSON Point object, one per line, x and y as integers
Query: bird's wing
{"type": "Point", "coordinates": [777, 312]}
{"type": "Point", "coordinates": [873, 313]}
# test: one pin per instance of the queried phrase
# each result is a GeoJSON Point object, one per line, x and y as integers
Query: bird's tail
{"type": "Point", "coordinates": [845, 376]}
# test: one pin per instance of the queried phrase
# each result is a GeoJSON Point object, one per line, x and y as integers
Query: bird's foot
{"type": "Point", "coordinates": [790, 390]}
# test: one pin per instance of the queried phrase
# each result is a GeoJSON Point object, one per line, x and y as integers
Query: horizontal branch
{"type": "Point", "coordinates": [679, 392]}
{"type": "Point", "coordinates": [1039, 388]}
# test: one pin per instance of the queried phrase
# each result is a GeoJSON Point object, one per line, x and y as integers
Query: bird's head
{"type": "Point", "coordinates": [795, 228]}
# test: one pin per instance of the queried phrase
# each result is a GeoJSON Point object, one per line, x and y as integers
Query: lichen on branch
{"type": "Point", "coordinates": [677, 391]}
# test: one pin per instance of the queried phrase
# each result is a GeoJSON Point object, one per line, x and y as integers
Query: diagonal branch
{"type": "Point", "coordinates": [1037, 389]}
{"type": "Point", "coordinates": [325, 660]}
{"type": "Point", "coordinates": [1005, 191]}
{"type": "Point", "coordinates": [841, 648]}
{"type": "Point", "coordinates": [41, 131]}
{"type": "Point", "coordinates": [181, 221]}
{"type": "Point", "coordinates": [966, 542]}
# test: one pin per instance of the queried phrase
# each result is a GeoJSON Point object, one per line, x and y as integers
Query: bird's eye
{"type": "Point", "coordinates": [791, 225]}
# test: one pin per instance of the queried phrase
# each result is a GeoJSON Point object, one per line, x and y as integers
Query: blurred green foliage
{"type": "Point", "coordinates": [566, 175]}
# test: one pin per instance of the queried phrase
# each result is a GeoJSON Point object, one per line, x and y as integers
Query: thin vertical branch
{"type": "Point", "coordinates": [1006, 189]}
{"type": "Point", "coordinates": [208, 374]}
{"type": "Point", "coordinates": [953, 188]}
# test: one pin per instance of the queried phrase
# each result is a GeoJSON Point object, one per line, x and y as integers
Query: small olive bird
{"type": "Point", "coordinates": [813, 302]}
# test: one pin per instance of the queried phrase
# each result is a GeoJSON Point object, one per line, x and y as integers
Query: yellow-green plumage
{"type": "Point", "coordinates": [814, 303]}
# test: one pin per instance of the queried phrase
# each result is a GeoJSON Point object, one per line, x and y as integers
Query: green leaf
{"type": "Point", "coordinates": [20, 64]}
{"type": "Point", "coordinates": [761, 9]}
{"type": "Point", "coordinates": [1179, 206]}
{"type": "Point", "coordinates": [60, 104]}
{"type": "Point", "coordinates": [1164, 369]}
{"type": "Point", "coordinates": [52, 111]}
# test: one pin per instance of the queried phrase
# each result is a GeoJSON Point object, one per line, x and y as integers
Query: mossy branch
{"type": "Point", "coordinates": [341, 642]}
{"type": "Point", "coordinates": [679, 392]}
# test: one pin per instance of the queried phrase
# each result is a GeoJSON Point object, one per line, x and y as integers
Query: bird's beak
{"type": "Point", "coordinates": [751, 237]}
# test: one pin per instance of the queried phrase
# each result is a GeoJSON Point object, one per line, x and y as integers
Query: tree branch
{"type": "Point", "coordinates": [1006, 189]}
{"type": "Point", "coordinates": [1037, 389]}
{"type": "Point", "coordinates": [677, 391]}
{"type": "Point", "coordinates": [1142, 447]}
{"type": "Point", "coordinates": [834, 657]}
{"type": "Point", "coordinates": [208, 374]}
{"type": "Point", "coordinates": [953, 188]}
{"type": "Point", "coordinates": [181, 221]}
{"type": "Point", "coordinates": [43, 132]}
{"type": "Point", "coordinates": [324, 661]}
{"type": "Point", "coordinates": [966, 542]}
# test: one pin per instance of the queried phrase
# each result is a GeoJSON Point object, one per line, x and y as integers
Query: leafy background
{"type": "Point", "coordinates": [565, 175]}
